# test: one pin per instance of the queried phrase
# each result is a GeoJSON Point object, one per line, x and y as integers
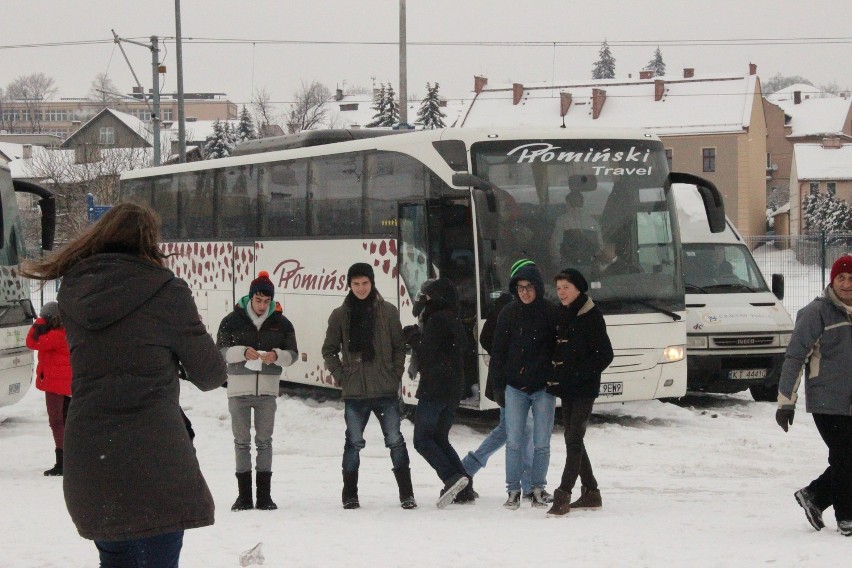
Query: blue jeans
{"type": "Point", "coordinates": [517, 408]}
{"type": "Point", "coordinates": [496, 439]}
{"type": "Point", "coordinates": [432, 424]}
{"type": "Point", "coordinates": [356, 413]}
{"type": "Point", "coordinates": [161, 551]}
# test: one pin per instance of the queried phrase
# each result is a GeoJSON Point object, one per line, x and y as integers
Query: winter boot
{"type": "Point", "coordinates": [805, 498]}
{"type": "Point", "coordinates": [264, 499]}
{"type": "Point", "coordinates": [406, 491]}
{"type": "Point", "coordinates": [540, 498]}
{"type": "Point", "coordinates": [243, 501]}
{"type": "Point", "coordinates": [845, 527]}
{"type": "Point", "coordinates": [561, 504]}
{"type": "Point", "coordinates": [514, 500]}
{"type": "Point", "coordinates": [589, 499]}
{"type": "Point", "coordinates": [57, 469]}
{"type": "Point", "coordinates": [466, 495]}
{"type": "Point", "coordinates": [452, 487]}
{"type": "Point", "coordinates": [350, 489]}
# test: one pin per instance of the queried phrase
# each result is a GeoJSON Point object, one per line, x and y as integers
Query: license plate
{"type": "Point", "coordinates": [748, 374]}
{"type": "Point", "coordinates": [611, 389]}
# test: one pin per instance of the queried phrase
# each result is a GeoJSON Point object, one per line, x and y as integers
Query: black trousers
{"type": "Point", "coordinates": [575, 418]}
{"type": "Point", "coordinates": [834, 486]}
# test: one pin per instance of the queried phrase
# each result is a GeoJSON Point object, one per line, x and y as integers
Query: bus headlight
{"type": "Point", "coordinates": [696, 342]}
{"type": "Point", "coordinates": [672, 353]}
{"type": "Point", "coordinates": [784, 339]}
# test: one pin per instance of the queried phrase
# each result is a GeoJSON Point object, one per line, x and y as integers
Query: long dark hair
{"type": "Point", "coordinates": [127, 228]}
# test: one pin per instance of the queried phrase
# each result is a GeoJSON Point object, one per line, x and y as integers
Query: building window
{"type": "Point", "coordinates": [708, 158]}
{"type": "Point", "coordinates": [166, 113]}
{"type": "Point", "coordinates": [107, 136]}
{"type": "Point", "coordinates": [814, 188]}
{"type": "Point", "coordinates": [832, 188]}
{"type": "Point", "coordinates": [768, 161]}
{"type": "Point", "coordinates": [669, 154]}
{"type": "Point", "coordinates": [348, 106]}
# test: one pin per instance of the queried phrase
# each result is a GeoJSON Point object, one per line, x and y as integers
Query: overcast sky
{"type": "Point", "coordinates": [785, 29]}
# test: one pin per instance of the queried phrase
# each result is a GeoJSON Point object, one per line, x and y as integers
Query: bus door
{"type": "Point", "coordinates": [415, 266]}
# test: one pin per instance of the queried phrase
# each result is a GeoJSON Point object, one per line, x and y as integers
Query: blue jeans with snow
{"type": "Point", "coordinates": [357, 413]}
{"type": "Point", "coordinates": [161, 551]}
{"type": "Point", "coordinates": [496, 439]}
{"type": "Point", "coordinates": [517, 408]}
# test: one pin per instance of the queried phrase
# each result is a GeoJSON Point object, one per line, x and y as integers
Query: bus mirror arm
{"type": "Point", "coordinates": [714, 205]}
{"type": "Point", "coordinates": [47, 204]}
{"type": "Point", "coordinates": [476, 182]}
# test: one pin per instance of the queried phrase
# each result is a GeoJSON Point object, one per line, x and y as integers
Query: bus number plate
{"type": "Point", "coordinates": [612, 389]}
{"type": "Point", "coordinates": [748, 374]}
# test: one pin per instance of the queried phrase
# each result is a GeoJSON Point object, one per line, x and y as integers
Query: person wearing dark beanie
{"type": "Point", "coordinates": [364, 351]}
{"type": "Point", "coordinates": [821, 344]}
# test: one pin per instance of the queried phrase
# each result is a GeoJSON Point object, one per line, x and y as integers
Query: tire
{"type": "Point", "coordinates": [761, 393]}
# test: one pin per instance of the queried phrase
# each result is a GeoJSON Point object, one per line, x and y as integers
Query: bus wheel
{"type": "Point", "coordinates": [762, 393]}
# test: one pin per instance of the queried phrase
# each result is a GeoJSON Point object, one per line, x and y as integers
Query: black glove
{"type": "Point", "coordinates": [784, 417]}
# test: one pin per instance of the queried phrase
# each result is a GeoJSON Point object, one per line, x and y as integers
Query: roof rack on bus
{"type": "Point", "coordinates": [308, 138]}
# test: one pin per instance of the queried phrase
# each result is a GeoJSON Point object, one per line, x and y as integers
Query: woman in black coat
{"type": "Point", "coordinates": [582, 352]}
{"type": "Point", "coordinates": [132, 482]}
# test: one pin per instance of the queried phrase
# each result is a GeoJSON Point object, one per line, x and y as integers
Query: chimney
{"type": "Point", "coordinates": [138, 93]}
{"type": "Point", "coordinates": [565, 103]}
{"type": "Point", "coordinates": [442, 102]}
{"type": "Point", "coordinates": [27, 151]}
{"type": "Point", "coordinates": [479, 83]}
{"type": "Point", "coordinates": [659, 89]}
{"type": "Point", "coordinates": [338, 95]}
{"type": "Point", "coordinates": [752, 68]}
{"type": "Point", "coordinates": [645, 74]}
{"type": "Point", "coordinates": [598, 99]}
{"type": "Point", "coordinates": [517, 93]}
{"type": "Point", "coordinates": [797, 97]}
{"type": "Point", "coordinates": [688, 72]}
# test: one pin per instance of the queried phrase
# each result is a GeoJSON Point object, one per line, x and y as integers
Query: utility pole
{"type": "Point", "coordinates": [179, 57]}
{"type": "Point", "coordinates": [403, 67]}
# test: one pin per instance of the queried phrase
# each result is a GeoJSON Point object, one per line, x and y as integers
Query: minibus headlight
{"type": "Point", "coordinates": [672, 353]}
{"type": "Point", "coordinates": [784, 339]}
{"type": "Point", "coordinates": [696, 342]}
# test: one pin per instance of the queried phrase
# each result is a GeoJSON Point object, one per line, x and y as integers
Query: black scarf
{"type": "Point", "coordinates": [362, 317]}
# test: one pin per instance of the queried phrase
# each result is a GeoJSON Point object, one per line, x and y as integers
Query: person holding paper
{"type": "Point", "coordinates": [257, 342]}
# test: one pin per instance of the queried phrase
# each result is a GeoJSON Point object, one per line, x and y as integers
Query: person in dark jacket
{"type": "Point", "coordinates": [132, 481]}
{"type": "Point", "coordinates": [365, 353]}
{"type": "Point", "coordinates": [519, 369]}
{"type": "Point", "coordinates": [257, 342]}
{"type": "Point", "coordinates": [53, 374]}
{"type": "Point", "coordinates": [583, 350]}
{"type": "Point", "coordinates": [440, 351]}
{"type": "Point", "coordinates": [821, 344]}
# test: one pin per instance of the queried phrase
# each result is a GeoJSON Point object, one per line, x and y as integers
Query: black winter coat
{"type": "Point", "coordinates": [582, 351]}
{"type": "Point", "coordinates": [130, 468]}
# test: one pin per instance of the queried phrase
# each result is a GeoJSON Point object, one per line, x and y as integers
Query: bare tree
{"type": "Point", "coordinates": [308, 108]}
{"type": "Point", "coordinates": [104, 90]}
{"type": "Point", "coordinates": [264, 111]}
{"type": "Point", "coordinates": [32, 90]}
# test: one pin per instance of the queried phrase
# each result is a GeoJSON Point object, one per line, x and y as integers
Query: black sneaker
{"type": "Point", "coordinates": [514, 500]}
{"type": "Point", "coordinates": [541, 499]}
{"type": "Point", "coordinates": [465, 496]}
{"type": "Point", "coordinates": [805, 499]}
{"type": "Point", "coordinates": [452, 488]}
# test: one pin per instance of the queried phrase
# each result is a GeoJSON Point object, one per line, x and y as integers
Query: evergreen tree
{"type": "Point", "coordinates": [220, 144]}
{"type": "Point", "coordinates": [430, 114]}
{"type": "Point", "coordinates": [379, 102]}
{"type": "Point", "coordinates": [391, 107]}
{"type": "Point", "coordinates": [605, 65]}
{"type": "Point", "coordinates": [656, 64]}
{"type": "Point", "coordinates": [245, 128]}
{"type": "Point", "coordinates": [826, 213]}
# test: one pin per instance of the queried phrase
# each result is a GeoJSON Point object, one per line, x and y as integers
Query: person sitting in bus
{"type": "Point", "coordinates": [720, 267]}
{"type": "Point", "coordinates": [365, 353]}
{"type": "Point", "coordinates": [610, 263]}
{"type": "Point", "coordinates": [440, 348]}
{"type": "Point", "coordinates": [53, 373]}
{"type": "Point", "coordinates": [575, 234]}
{"type": "Point", "coordinates": [257, 342]}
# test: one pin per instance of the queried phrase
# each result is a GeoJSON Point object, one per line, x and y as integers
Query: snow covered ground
{"type": "Point", "coordinates": [706, 483]}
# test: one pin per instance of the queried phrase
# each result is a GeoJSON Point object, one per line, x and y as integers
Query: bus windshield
{"type": "Point", "coordinates": [599, 206]}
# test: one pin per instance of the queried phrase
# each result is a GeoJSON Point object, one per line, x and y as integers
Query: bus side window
{"type": "Point", "coordinates": [336, 195]}
{"type": "Point", "coordinates": [283, 193]}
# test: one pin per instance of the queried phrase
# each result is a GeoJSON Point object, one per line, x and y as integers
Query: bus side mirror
{"type": "Point", "coordinates": [476, 182]}
{"type": "Point", "coordinates": [2, 231]}
{"type": "Point", "coordinates": [488, 225]}
{"type": "Point", "coordinates": [47, 204]}
{"type": "Point", "coordinates": [778, 286]}
{"type": "Point", "coordinates": [714, 206]}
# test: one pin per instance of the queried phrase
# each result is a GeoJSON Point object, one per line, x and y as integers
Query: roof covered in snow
{"type": "Point", "coordinates": [815, 162]}
{"type": "Point", "coordinates": [817, 114]}
{"type": "Point", "coordinates": [355, 111]}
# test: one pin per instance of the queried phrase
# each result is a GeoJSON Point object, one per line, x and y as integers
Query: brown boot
{"type": "Point", "coordinates": [590, 499]}
{"type": "Point", "coordinates": [561, 504]}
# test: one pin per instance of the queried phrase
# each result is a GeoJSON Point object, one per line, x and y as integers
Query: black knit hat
{"type": "Point", "coordinates": [360, 269]}
{"type": "Point", "coordinates": [573, 276]}
{"type": "Point", "coordinates": [263, 285]}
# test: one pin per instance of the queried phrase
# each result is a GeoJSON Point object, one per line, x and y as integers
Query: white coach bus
{"type": "Point", "coordinates": [16, 310]}
{"type": "Point", "coordinates": [458, 203]}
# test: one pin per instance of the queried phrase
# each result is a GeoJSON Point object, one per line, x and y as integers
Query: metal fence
{"type": "Point", "coordinates": [40, 295]}
{"type": "Point", "coordinates": [804, 260]}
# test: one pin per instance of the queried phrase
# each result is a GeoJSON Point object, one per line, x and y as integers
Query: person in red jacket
{"type": "Point", "coordinates": [53, 373]}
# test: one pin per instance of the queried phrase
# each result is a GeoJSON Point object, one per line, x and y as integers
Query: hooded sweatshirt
{"type": "Point", "coordinates": [130, 468]}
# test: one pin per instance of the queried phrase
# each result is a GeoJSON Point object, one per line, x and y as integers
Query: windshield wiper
{"type": "Point", "coordinates": [654, 307]}
{"type": "Point", "coordinates": [695, 287]}
{"type": "Point", "coordinates": [734, 286]}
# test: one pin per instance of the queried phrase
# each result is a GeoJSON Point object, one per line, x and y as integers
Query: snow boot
{"type": "Point", "coordinates": [56, 471]}
{"type": "Point", "coordinates": [805, 499]}
{"type": "Point", "coordinates": [561, 504]}
{"type": "Point", "coordinates": [406, 491]}
{"type": "Point", "coordinates": [264, 487]}
{"type": "Point", "coordinates": [350, 489]}
{"type": "Point", "coordinates": [514, 501]}
{"type": "Point", "coordinates": [243, 501]}
{"type": "Point", "coordinates": [452, 487]}
{"type": "Point", "coordinates": [589, 499]}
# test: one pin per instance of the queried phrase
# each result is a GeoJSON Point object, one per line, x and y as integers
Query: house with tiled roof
{"type": "Point", "coordinates": [711, 125]}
